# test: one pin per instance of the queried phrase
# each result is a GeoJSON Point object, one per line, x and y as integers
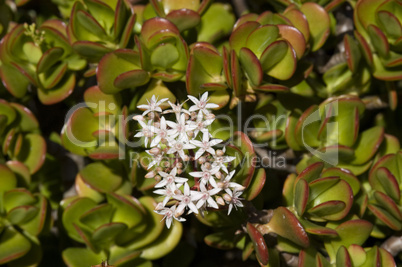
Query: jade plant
{"type": "Point", "coordinates": [183, 133]}
{"type": "Point", "coordinates": [24, 217]}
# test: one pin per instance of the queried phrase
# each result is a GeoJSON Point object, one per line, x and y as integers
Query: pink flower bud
{"type": "Point", "coordinates": [220, 201]}
{"type": "Point", "coordinates": [202, 160]}
{"type": "Point", "coordinates": [227, 197]}
{"type": "Point", "coordinates": [150, 174]}
{"type": "Point", "coordinates": [155, 151]}
{"type": "Point", "coordinates": [138, 118]}
{"type": "Point", "coordinates": [159, 206]}
{"type": "Point", "coordinates": [178, 213]}
{"type": "Point", "coordinates": [210, 116]}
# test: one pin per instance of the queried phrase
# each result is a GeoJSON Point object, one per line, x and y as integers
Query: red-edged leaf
{"type": "Point", "coordinates": [312, 172]}
{"type": "Point", "coordinates": [386, 217]}
{"type": "Point", "coordinates": [251, 65]}
{"type": "Point", "coordinates": [294, 37]}
{"type": "Point", "coordinates": [260, 247]}
{"type": "Point", "coordinates": [301, 193]}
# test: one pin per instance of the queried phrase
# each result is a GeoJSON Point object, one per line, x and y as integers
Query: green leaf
{"type": "Point", "coordinates": [17, 197]}
{"type": "Point", "coordinates": [77, 257]}
{"type": "Point", "coordinates": [153, 227]}
{"type": "Point", "coordinates": [21, 214]}
{"type": "Point", "coordinates": [358, 254]}
{"type": "Point", "coordinates": [316, 229]}
{"type": "Point", "coordinates": [90, 24]}
{"type": "Point", "coordinates": [301, 196]}
{"type": "Point", "coordinates": [239, 36]}
{"type": "Point", "coordinates": [390, 24]}
{"type": "Point", "coordinates": [273, 54]}
{"type": "Point", "coordinates": [260, 246]}
{"type": "Point", "coordinates": [343, 258]}
{"type": "Point", "coordinates": [27, 120]}
{"type": "Point", "coordinates": [166, 242]}
{"type": "Point", "coordinates": [73, 212]}
{"type": "Point", "coordinates": [184, 19]}
{"type": "Point", "coordinates": [14, 81]}
{"type": "Point", "coordinates": [285, 224]}
{"type": "Point", "coordinates": [367, 145]}
{"type": "Point", "coordinates": [353, 182]}
{"type": "Point", "coordinates": [8, 179]}
{"type": "Point", "coordinates": [341, 192]}
{"type": "Point", "coordinates": [128, 210]}
{"type": "Point", "coordinates": [261, 38]}
{"type": "Point", "coordinates": [378, 40]}
{"type": "Point", "coordinates": [164, 56]}
{"type": "Point", "coordinates": [158, 30]}
{"type": "Point", "coordinates": [102, 13]}
{"type": "Point", "coordinates": [33, 152]}
{"type": "Point", "coordinates": [385, 182]}
{"type": "Point", "coordinates": [122, 61]}
{"type": "Point", "coordinates": [386, 217]}
{"type": "Point", "coordinates": [49, 58]}
{"type": "Point", "coordinates": [221, 240]}
{"type": "Point", "coordinates": [53, 76]}
{"type": "Point", "coordinates": [251, 65]}
{"type": "Point", "coordinates": [204, 66]}
{"type": "Point", "coordinates": [352, 52]}
{"type": "Point", "coordinates": [41, 220]}
{"type": "Point", "coordinates": [294, 37]}
{"type": "Point", "coordinates": [312, 172]}
{"type": "Point", "coordinates": [257, 184]}
{"type": "Point", "coordinates": [32, 52]}
{"type": "Point", "coordinates": [105, 234]}
{"type": "Point", "coordinates": [299, 21]}
{"type": "Point", "coordinates": [319, 24]}
{"type": "Point", "coordinates": [21, 172]}
{"type": "Point", "coordinates": [91, 50]}
{"type": "Point", "coordinates": [101, 177]}
{"type": "Point", "coordinates": [218, 20]}
{"type": "Point", "coordinates": [387, 203]}
{"type": "Point", "coordinates": [97, 216]}
{"type": "Point", "coordinates": [328, 208]}
{"type": "Point", "coordinates": [59, 92]}
{"type": "Point", "coordinates": [350, 232]}
{"type": "Point", "coordinates": [13, 245]}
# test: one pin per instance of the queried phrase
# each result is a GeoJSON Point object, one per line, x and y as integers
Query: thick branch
{"type": "Point", "coordinates": [393, 245]}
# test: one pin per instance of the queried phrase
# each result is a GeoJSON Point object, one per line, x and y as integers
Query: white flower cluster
{"type": "Point", "coordinates": [186, 146]}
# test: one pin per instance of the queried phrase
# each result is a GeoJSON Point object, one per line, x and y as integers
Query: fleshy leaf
{"type": "Point", "coordinates": [13, 245]}
{"type": "Point", "coordinates": [260, 247]}
{"type": "Point", "coordinates": [319, 23]}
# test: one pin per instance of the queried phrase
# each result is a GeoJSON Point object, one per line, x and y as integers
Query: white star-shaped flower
{"type": "Point", "coordinates": [180, 128]}
{"type": "Point", "coordinates": [156, 159]}
{"type": "Point", "coordinates": [226, 184]}
{"type": "Point", "coordinates": [168, 192]}
{"type": "Point", "coordinates": [205, 196]}
{"type": "Point", "coordinates": [170, 178]}
{"type": "Point", "coordinates": [169, 215]}
{"type": "Point", "coordinates": [221, 160]}
{"type": "Point", "coordinates": [186, 200]}
{"type": "Point", "coordinates": [201, 104]}
{"type": "Point", "coordinates": [153, 105]}
{"type": "Point", "coordinates": [235, 201]}
{"type": "Point", "coordinates": [205, 145]}
{"type": "Point", "coordinates": [201, 124]}
{"type": "Point", "coordinates": [177, 109]}
{"type": "Point", "coordinates": [178, 146]}
{"type": "Point", "coordinates": [147, 131]}
{"type": "Point", "coordinates": [206, 175]}
{"type": "Point", "coordinates": [161, 132]}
